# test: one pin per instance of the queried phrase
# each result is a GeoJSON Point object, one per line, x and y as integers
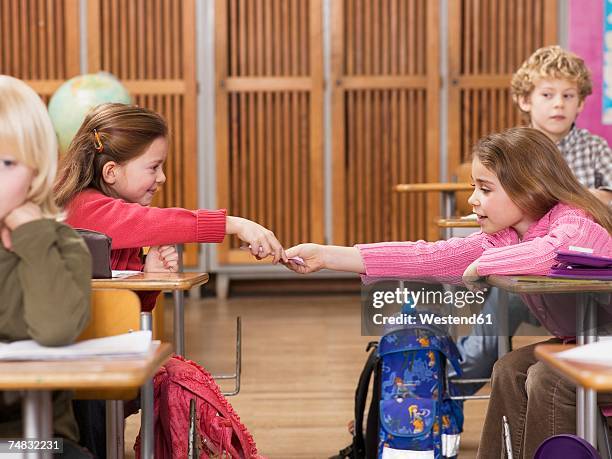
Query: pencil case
{"type": "Point", "coordinates": [99, 245]}
{"type": "Point", "coordinates": [579, 265]}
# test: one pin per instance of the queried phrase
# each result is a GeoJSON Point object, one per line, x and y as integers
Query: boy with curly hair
{"type": "Point", "coordinates": [550, 88]}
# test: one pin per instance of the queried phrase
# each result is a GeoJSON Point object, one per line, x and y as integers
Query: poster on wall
{"type": "Point", "coordinates": [607, 65]}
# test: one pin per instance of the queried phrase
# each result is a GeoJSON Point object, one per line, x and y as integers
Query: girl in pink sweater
{"type": "Point", "coordinates": [529, 205]}
{"type": "Point", "coordinates": [107, 181]}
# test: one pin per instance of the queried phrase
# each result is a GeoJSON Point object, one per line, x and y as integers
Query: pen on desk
{"type": "Point", "coordinates": [507, 437]}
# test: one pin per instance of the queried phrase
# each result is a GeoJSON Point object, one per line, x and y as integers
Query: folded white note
{"type": "Point", "coordinates": [125, 345]}
{"type": "Point", "coordinates": [121, 274]}
{"type": "Point", "coordinates": [599, 352]}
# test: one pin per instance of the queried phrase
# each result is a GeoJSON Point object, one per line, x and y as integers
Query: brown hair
{"type": "Point", "coordinates": [110, 132]}
{"type": "Point", "coordinates": [535, 176]}
{"type": "Point", "coordinates": [552, 62]}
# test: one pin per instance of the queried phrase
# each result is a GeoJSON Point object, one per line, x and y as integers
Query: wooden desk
{"type": "Point", "coordinates": [164, 282]}
{"type": "Point", "coordinates": [586, 319]}
{"type": "Point", "coordinates": [448, 191]}
{"type": "Point", "coordinates": [456, 227]}
{"type": "Point", "coordinates": [543, 284]}
{"type": "Point", "coordinates": [587, 375]}
{"type": "Point", "coordinates": [39, 378]}
{"type": "Point", "coordinates": [458, 223]}
{"type": "Point", "coordinates": [153, 281]}
{"type": "Point", "coordinates": [425, 187]}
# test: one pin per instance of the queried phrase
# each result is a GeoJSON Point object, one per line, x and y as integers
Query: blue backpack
{"type": "Point", "coordinates": [411, 413]}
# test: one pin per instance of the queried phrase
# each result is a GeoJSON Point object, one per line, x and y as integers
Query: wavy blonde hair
{"type": "Point", "coordinates": [26, 127]}
{"type": "Point", "coordinates": [551, 62]}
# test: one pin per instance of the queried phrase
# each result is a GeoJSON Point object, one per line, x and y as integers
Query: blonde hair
{"type": "Point", "coordinates": [25, 126]}
{"type": "Point", "coordinates": [110, 132]}
{"type": "Point", "coordinates": [551, 62]}
{"type": "Point", "coordinates": [535, 176]}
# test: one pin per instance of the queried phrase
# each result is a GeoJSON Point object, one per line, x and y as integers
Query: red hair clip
{"type": "Point", "coordinates": [97, 142]}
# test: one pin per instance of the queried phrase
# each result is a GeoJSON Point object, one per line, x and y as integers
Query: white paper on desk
{"type": "Point", "coordinates": [599, 352]}
{"type": "Point", "coordinates": [121, 346]}
{"type": "Point", "coordinates": [126, 273]}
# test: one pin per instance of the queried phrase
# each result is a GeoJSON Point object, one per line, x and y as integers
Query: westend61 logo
{"type": "Point", "coordinates": [387, 305]}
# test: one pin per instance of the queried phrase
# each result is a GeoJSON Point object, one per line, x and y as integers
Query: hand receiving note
{"type": "Point", "coordinates": [297, 260]}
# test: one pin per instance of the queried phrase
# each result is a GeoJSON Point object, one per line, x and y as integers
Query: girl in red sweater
{"type": "Point", "coordinates": [107, 181]}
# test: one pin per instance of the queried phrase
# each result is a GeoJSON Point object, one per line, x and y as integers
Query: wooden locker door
{"type": "Point", "coordinates": [488, 41]}
{"type": "Point", "coordinates": [39, 42]}
{"type": "Point", "coordinates": [150, 46]}
{"type": "Point", "coordinates": [385, 99]}
{"type": "Point", "coordinates": [269, 118]}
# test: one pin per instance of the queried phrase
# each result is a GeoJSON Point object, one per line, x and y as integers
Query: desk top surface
{"type": "Point", "coordinates": [153, 281]}
{"type": "Point", "coordinates": [90, 373]}
{"type": "Point", "coordinates": [450, 186]}
{"type": "Point", "coordinates": [543, 284]}
{"type": "Point", "coordinates": [457, 223]}
{"type": "Point", "coordinates": [589, 375]}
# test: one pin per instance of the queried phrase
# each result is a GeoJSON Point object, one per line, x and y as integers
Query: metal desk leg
{"type": "Point", "coordinates": [580, 398]}
{"type": "Point", "coordinates": [111, 429]}
{"type": "Point", "coordinates": [146, 419]}
{"type": "Point", "coordinates": [449, 205]}
{"type": "Point", "coordinates": [114, 429]}
{"type": "Point", "coordinates": [590, 402]}
{"type": "Point", "coordinates": [179, 322]}
{"type": "Point", "coordinates": [590, 427]}
{"type": "Point", "coordinates": [503, 340]}
{"type": "Point", "coordinates": [37, 417]}
{"type": "Point", "coordinates": [146, 400]}
{"type": "Point", "coordinates": [179, 311]}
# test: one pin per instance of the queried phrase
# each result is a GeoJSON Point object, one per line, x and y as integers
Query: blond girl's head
{"type": "Point", "coordinates": [28, 149]}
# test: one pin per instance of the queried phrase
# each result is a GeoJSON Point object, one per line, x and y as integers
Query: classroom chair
{"type": "Point", "coordinates": [113, 312]}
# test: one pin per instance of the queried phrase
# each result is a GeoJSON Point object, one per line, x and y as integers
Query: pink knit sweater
{"type": "Point", "coordinates": [499, 253]}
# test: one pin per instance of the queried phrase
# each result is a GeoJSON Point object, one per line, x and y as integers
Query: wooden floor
{"type": "Point", "coordinates": [301, 360]}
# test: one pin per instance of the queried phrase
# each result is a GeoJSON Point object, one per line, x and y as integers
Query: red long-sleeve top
{"type": "Point", "coordinates": [133, 226]}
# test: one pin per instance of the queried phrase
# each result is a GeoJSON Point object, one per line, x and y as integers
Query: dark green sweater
{"type": "Point", "coordinates": [45, 285]}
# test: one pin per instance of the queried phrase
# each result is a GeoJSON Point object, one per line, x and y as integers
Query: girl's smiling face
{"type": "Point", "coordinates": [137, 180]}
{"type": "Point", "coordinates": [494, 208]}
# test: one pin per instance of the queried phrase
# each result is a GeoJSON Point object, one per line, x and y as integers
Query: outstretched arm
{"type": "Point", "coordinates": [318, 257]}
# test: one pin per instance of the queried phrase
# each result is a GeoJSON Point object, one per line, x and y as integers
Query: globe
{"type": "Point", "coordinates": [74, 98]}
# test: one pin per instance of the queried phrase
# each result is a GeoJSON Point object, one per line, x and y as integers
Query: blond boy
{"type": "Point", "coordinates": [550, 88]}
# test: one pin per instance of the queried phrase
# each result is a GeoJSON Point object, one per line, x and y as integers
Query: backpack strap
{"type": "Point", "coordinates": [373, 422]}
{"type": "Point", "coordinates": [361, 394]}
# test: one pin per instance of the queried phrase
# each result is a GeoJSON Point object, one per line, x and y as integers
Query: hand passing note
{"type": "Point", "coordinates": [261, 241]}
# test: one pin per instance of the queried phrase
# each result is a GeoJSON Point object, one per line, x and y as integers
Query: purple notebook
{"type": "Point", "coordinates": [580, 265]}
